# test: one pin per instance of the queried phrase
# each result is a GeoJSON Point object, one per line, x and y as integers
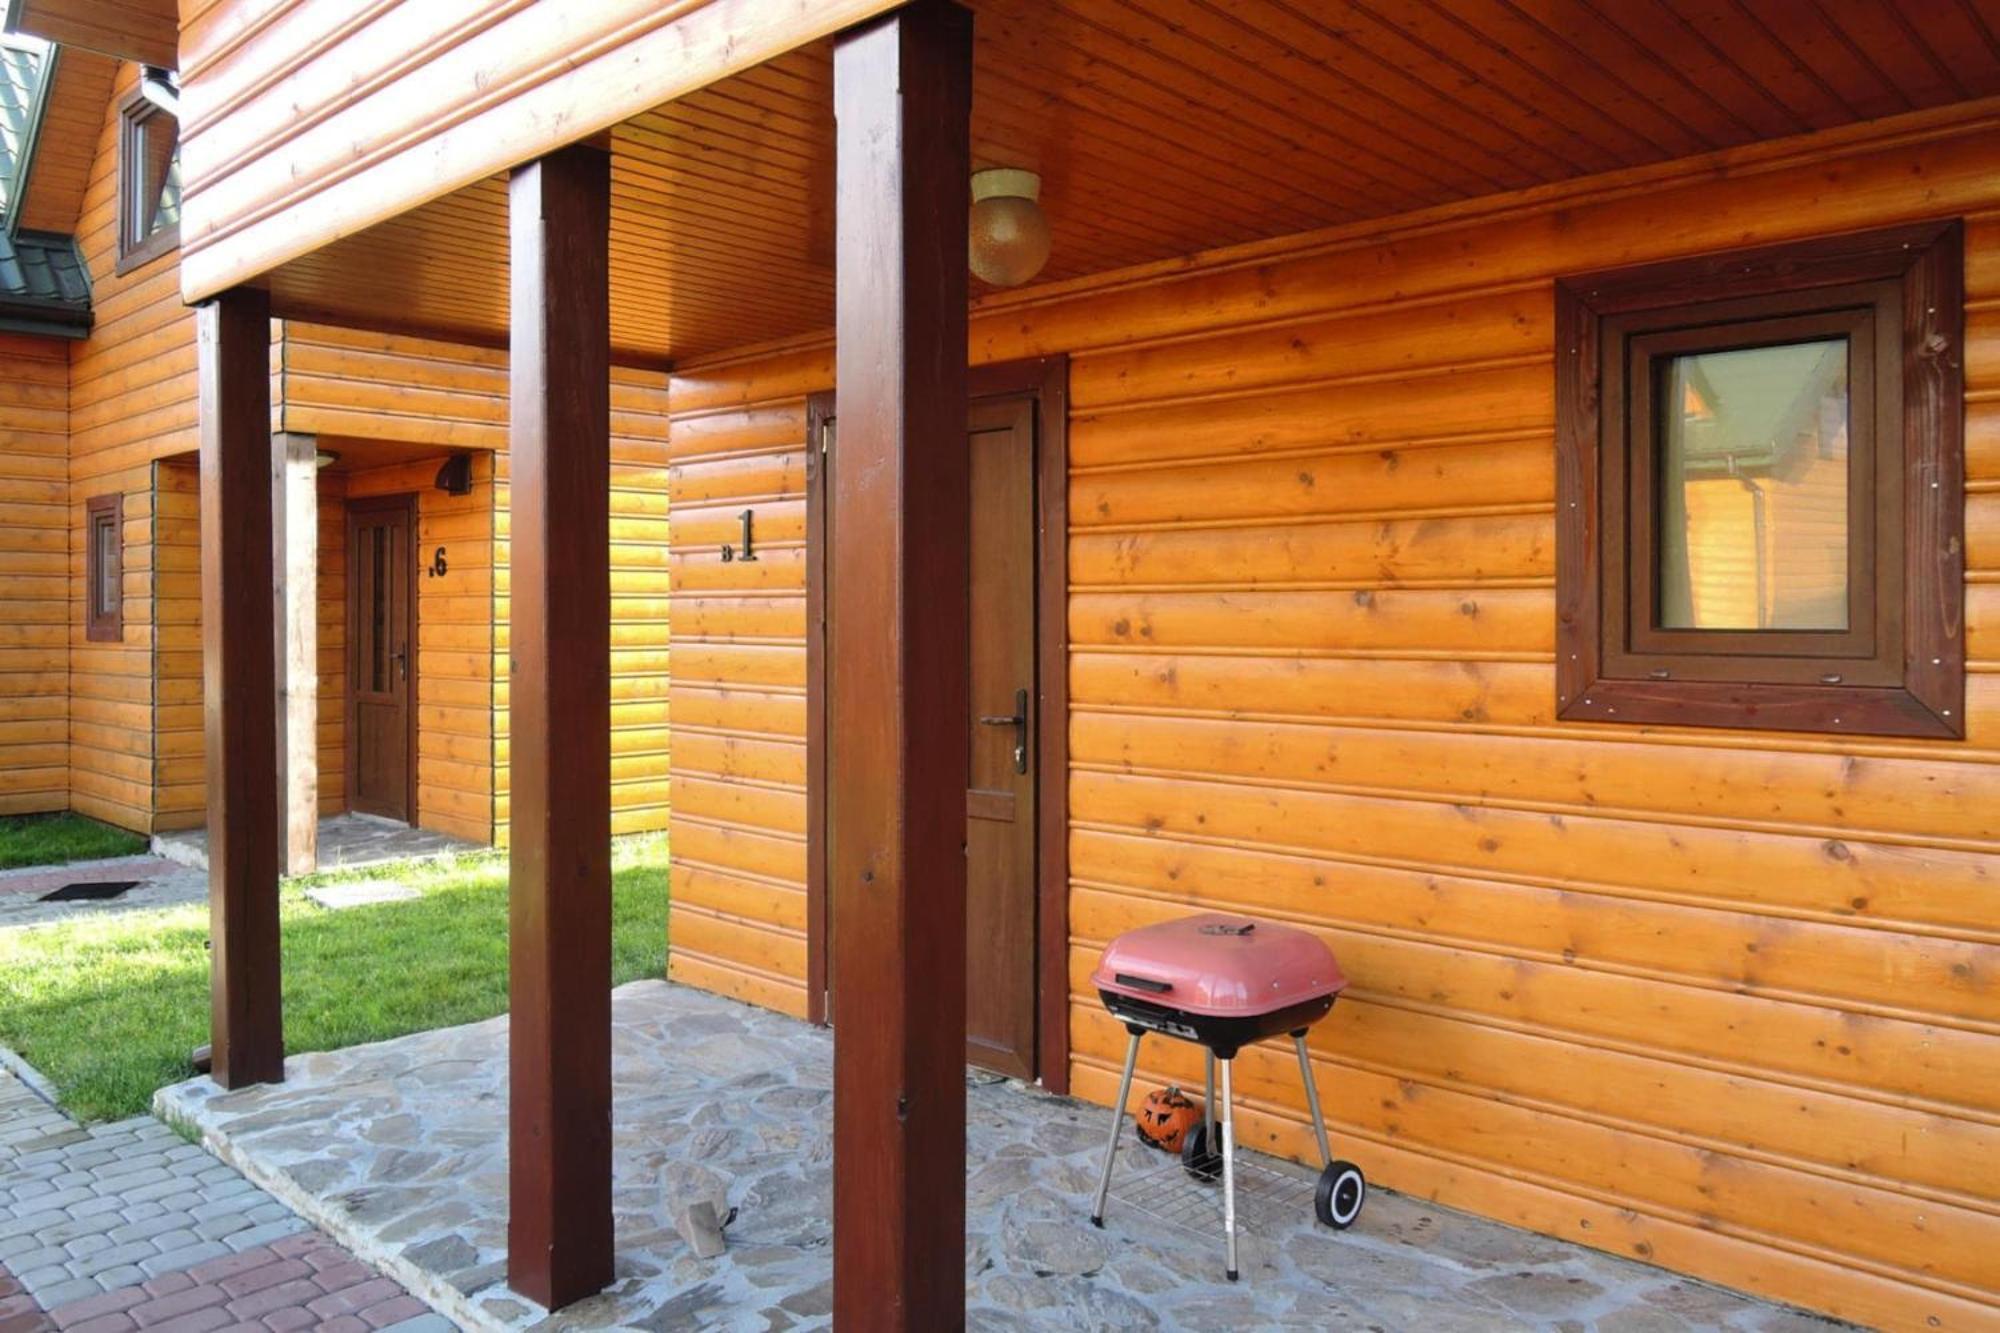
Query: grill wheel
{"type": "Point", "coordinates": [1342, 1191]}
{"type": "Point", "coordinates": [1197, 1158]}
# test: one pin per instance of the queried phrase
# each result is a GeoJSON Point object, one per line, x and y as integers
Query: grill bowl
{"type": "Point", "coordinates": [1219, 979]}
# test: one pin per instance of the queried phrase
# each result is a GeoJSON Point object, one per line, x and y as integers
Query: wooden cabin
{"type": "Point", "coordinates": [1512, 487]}
{"type": "Point", "coordinates": [403, 442]}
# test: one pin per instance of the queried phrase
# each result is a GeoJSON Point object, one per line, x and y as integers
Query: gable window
{"type": "Point", "coordinates": [1760, 494]}
{"type": "Point", "coordinates": [104, 568]}
{"type": "Point", "coordinates": [149, 172]}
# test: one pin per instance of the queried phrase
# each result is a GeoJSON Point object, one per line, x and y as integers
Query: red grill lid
{"type": "Point", "coordinates": [1217, 964]}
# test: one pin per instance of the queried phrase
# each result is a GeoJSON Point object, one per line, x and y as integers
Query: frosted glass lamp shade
{"type": "Point", "coordinates": [1009, 234]}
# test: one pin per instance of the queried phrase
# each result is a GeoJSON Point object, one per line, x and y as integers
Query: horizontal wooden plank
{"type": "Point", "coordinates": [1479, 622]}
{"type": "Point", "coordinates": [1833, 879]}
{"type": "Point", "coordinates": [1376, 553]}
{"type": "Point", "coordinates": [1930, 798]}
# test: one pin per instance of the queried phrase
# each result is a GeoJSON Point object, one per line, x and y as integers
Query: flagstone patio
{"type": "Point", "coordinates": [399, 1151]}
{"type": "Point", "coordinates": [346, 842]}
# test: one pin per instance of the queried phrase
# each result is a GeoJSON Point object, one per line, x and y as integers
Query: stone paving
{"type": "Point", "coordinates": [178, 871]}
{"type": "Point", "coordinates": [398, 1149]}
{"type": "Point", "coordinates": [162, 883]}
{"type": "Point", "coordinates": [115, 1228]}
{"type": "Point", "coordinates": [346, 842]}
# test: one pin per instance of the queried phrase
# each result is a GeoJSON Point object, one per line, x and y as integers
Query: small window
{"type": "Point", "coordinates": [149, 174]}
{"type": "Point", "coordinates": [1760, 488]}
{"type": "Point", "coordinates": [104, 569]}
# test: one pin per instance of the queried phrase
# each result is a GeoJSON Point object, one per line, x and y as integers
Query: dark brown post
{"type": "Point", "coordinates": [239, 687]}
{"type": "Point", "coordinates": [902, 97]}
{"type": "Point", "coordinates": [559, 1238]}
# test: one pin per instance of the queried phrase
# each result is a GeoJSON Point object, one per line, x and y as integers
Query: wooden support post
{"type": "Point", "coordinates": [559, 1236]}
{"type": "Point", "coordinates": [239, 687]}
{"type": "Point", "coordinates": [898, 696]}
{"type": "Point", "coordinates": [295, 551]}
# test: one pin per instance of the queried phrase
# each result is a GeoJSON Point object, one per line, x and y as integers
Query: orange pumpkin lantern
{"type": "Point", "coordinates": [1165, 1117]}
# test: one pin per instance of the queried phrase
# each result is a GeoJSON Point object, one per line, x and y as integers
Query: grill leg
{"type": "Point", "coordinates": [1117, 1123]}
{"type": "Point", "coordinates": [1208, 1101]}
{"type": "Point", "coordinates": [1312, 1098]}
{"type": "Point", "coordinates": [1229, 1169]}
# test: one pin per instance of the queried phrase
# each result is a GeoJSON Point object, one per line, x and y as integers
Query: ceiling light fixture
{"type": "Point", "coordinates": [1010, 236]}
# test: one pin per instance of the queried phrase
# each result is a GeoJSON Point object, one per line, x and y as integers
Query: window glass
{"type": "Point", "coordinates": [103, 593]}
{"type": "Point", "coordinates": [104, 531]}
{"type": "Point", "coordinates": [155, 197]}
{"type": "Point", "coordinates": [1754, 488]}
{"type": "Point", "coordinates": [378, 604]}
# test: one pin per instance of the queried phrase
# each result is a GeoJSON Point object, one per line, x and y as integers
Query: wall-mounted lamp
{"type": "Point", "coordinates": [161, 87]}
{"type": "Point", "coordinates": [325, 458]}
{"type": "Point", "coordinates": [455, 477]}
{"type": "Point", "coordinates": [1010, 236]}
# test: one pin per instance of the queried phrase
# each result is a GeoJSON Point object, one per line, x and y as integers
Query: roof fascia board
{"type": "Point", "coordinates": [33, 317]}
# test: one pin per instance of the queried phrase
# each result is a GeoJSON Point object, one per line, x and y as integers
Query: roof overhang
{"type": "Point", "coordinates": [22, 168]}
{"type": "Point", "coordinates": [1152, 132]}
{"type": "Point", "coordinates": [147, 31]}
{"type": "Point", "coordinates": [384, 116]}
{"type": "Point", "coordinates": [44, 286]}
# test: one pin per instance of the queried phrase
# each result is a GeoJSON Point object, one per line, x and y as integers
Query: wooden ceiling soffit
{"type": "Point", "coordinates": [141, 30]}
{"type": "Point", "coordinates": [1160, 131]}
{"type": "Point", "coordinates": [721, 231]}
{"type": "Point", "coordinates": [80, 90]}
{"type": "Point", "coordinates": [389, 106]}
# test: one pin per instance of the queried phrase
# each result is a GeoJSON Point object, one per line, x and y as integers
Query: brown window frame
{"type": "Point", "coordinates": [1898, 669]}
{"type": "Point", "coordinates": [134, 110]}
{"type": "Point", "coordinates": [103, 624]}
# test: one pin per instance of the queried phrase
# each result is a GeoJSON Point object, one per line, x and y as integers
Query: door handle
{"type": "Point", "coordinates": [1018, 720]}
{"type": "Point", "coordinates": [401, 657]}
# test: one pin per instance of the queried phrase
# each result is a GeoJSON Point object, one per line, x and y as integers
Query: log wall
{"type": "Point", "coordinates": [132, 402]}
{"type": "Point", "coordinates": [132, 741]}
{"type": "Point", "coordinates": [344, 384]}
{"type": "Point", "coordinates": [640, 745]}
{"type": "Point", "coordinates": [1726, 1002]}
{"type": "Point", "coordinates": [34, 575]}
{"type": "Point", "coordinates": [738, 440]}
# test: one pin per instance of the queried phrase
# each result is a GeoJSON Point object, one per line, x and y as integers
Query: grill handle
{"type": "Point", "coordinates": [1142, 983]}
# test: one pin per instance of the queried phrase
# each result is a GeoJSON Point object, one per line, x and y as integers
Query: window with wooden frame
{"type": "Point", "coordinates": [1760, 495]}
{"type": "Point", "coordinates": [149, 179]}
{"type": "Point", "coordinates": [104, 568]}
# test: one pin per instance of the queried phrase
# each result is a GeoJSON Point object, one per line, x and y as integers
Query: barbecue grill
{"type": "Point", "coordinates": [1223, 982]}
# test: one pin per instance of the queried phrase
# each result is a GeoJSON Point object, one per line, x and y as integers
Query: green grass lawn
{"type": "Point", "coordinates": [108, 1008]}
{"type": "Point", "coordinates": [53, 840]}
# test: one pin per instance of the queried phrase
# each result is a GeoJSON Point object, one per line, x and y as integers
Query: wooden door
{"type": "Point", "coordinates": [382, 662]}
{"type": "Point", "coordinates": [1004, 913]}
{"type": "Point", "coordinates": [1000, 804]}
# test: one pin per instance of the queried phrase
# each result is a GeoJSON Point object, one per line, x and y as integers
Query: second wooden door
{"type": "Point", "coordinates": [1002, 732]}
{"type": "Point", "coordinates": [1000, 803]}
{"type": "Point", "coordinates": [381, 659]}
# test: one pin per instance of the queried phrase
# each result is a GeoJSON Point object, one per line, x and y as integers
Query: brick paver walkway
{"type": "Point", "coordinates": [125, 1227]}
{"type": "Point", "coordinates": [158, 883]}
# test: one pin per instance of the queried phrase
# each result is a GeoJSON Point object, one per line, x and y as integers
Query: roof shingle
{"type": "Point", "coordinates": [44, 286]}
